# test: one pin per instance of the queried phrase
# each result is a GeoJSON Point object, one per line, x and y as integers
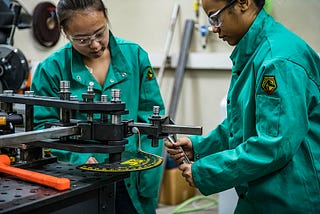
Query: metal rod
{"type": "Point", "coordinates": [178, 129]}
{"type": "Point", "coordinates": [185, 158]}
{"type": "Point", "coordinates": [146, 128]}
{"type": "Point", "coordinates": [37, 135]}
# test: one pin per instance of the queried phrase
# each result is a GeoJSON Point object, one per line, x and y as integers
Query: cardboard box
{"type": "Point", "coordinates": [175, 189]}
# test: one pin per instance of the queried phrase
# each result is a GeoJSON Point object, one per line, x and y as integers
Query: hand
{"type": "Point", "coordinates": [187, 173]}
{"type": "Point", "coordinates": [176, 150]}
{"type": "Point", "coordinates": [91, 160]}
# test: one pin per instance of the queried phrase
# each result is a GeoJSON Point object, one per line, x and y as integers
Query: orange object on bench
{"type": "Point", "coordinates": [47, 180]}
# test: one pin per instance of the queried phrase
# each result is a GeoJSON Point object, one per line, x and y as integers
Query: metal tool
{"type": "Point", "coordinates": [185, 159]}
{"type": "Point", "coordinates": [105, 134]}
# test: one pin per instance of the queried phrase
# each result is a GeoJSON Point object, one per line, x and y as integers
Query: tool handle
{"type": "Point", "coordinates": [47, 180]}
{"type": "Point", "coordinates": [185, 159]}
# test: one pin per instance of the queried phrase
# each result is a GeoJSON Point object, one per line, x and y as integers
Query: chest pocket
{"type": "Point", "coordinates": [268, 115]}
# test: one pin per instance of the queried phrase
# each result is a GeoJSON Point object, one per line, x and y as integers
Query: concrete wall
{"type": "Point", "coordinates": [207, 76]}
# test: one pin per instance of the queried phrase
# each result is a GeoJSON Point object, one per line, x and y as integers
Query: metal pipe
{"type": "Point", "coordinates": [182, 62]}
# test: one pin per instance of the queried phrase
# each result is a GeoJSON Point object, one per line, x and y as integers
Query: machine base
{"type": "Point", "coordinates": [93, 192]}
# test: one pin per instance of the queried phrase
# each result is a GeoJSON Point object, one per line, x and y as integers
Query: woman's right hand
{"type": "Point", "coordinates": [176, 150]}
{"type": "Point", "coordinates": [91, 160]}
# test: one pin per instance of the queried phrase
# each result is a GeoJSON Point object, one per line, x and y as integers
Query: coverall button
{"type": "Point", "coordinates": [111, 80]}
{"type": "Point", "coordinates": [124, 74]}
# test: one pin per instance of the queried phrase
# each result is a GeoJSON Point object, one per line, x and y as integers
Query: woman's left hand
{"type": "Point", "coordinates": [187, 173]}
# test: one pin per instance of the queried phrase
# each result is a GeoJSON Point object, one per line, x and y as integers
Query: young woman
{"type": "Point", "coordinates": [96, 57]}
{"type": "Point", "coordinates": [268, 146]}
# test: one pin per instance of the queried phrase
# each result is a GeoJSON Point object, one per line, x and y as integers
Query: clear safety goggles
{"type": "Point", "coordinates": [86, 40]}
{"type": "Point", "coordinates": [215, 20]}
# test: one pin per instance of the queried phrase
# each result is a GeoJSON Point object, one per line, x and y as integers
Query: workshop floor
{"type": "Point", "coordinates": [196, 207]}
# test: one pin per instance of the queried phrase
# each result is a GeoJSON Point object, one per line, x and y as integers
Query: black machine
{"type": "Point", "coordinates": [12, 16]}
{"type": "Point", "coordinates": [14, 67]}
{"type": "Point", "coordinates": [92, 185]}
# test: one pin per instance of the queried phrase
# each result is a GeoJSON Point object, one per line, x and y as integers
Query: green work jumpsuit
{"type": "Point", "coordinates": [131, 72]}
{"type": "Point", "coordinates": [268, 147]}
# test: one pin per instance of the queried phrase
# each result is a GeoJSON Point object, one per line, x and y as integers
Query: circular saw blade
{"type": "Point", "coordinates": [130, 162]}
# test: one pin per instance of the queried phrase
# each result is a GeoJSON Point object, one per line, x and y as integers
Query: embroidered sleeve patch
{"type": "Point", "coordinates": [150, 74]}
{"type": "Point", "coordinates": [269, 84]}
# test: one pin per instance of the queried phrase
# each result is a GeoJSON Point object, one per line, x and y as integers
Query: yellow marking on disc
{"type": "Point", "coordinates": [133, 162]}
{"type": "Point", "coordinates": [130, 165]}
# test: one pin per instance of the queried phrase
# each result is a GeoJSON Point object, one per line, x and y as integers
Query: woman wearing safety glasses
{"type": "Point", "coordinates": [268, 147]}
{"type": "Point", "coordinates": [95, 57]}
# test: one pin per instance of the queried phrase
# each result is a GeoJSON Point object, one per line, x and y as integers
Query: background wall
{"type": "Point", "coordinates": [207, 76]}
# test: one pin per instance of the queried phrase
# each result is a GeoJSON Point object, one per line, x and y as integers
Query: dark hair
{"type": "Point", "coordinates": [66, 9]}
{"type": "Point", "coordinates": [259, 3]}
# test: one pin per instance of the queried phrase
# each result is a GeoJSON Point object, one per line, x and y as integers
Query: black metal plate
{"type": "Point", "coordinates": [18, 196]}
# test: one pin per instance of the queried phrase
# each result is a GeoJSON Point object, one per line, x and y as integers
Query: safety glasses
{"type": "Point", "coordinates": [214, 19]}
{"type": "Point", "coordinates": [86, 40]}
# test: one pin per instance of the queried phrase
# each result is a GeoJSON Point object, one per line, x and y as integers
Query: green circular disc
{"type": "Point", "coordinates": [130, 162]}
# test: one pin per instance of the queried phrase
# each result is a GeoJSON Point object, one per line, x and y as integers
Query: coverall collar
{"type": "Point", "coordinates": [118, 66]}
{"type": "Point", "coordinates": [249, 42]}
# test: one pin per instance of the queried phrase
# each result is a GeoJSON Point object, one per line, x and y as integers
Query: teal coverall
{"type": "Point", "coordinates": [268, 147]}
{"type": "Point", "coordinates": [131, 72]}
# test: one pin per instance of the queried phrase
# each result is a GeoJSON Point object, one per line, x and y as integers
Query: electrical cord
{"type": "Point", "coordinates": [136, 130]}
{"type": "Point", "coordinates": [182, 207]}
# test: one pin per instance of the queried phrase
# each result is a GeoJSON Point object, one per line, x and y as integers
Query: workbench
{"type": "Point", "coordinates": [90, 192]}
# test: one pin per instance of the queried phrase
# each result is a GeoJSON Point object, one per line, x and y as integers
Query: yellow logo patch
{"type": "Point", "coordinates": [150, 74]}
{"type": "Point", "coordinates": [269, 84]}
